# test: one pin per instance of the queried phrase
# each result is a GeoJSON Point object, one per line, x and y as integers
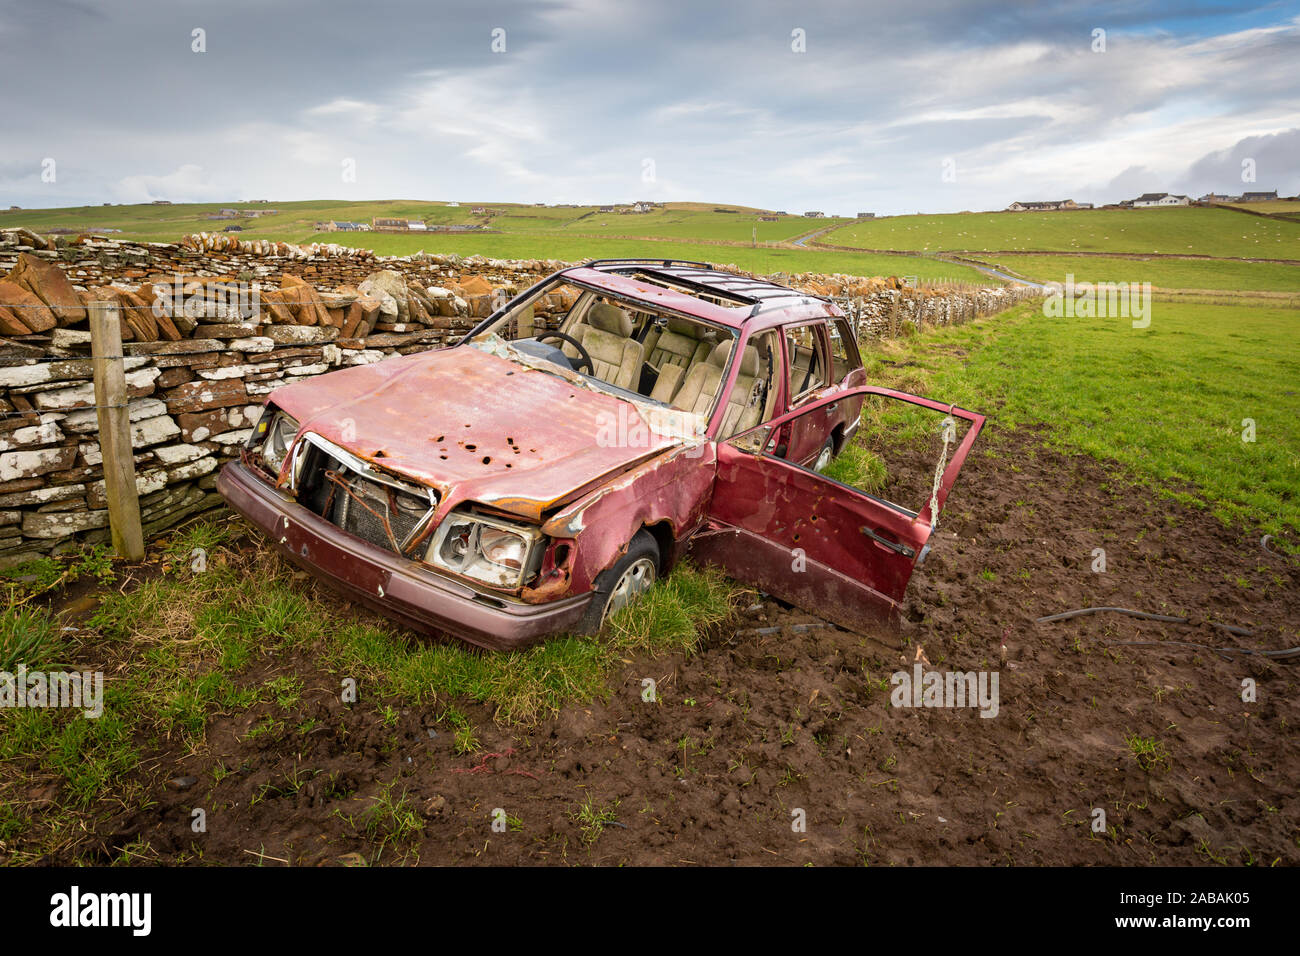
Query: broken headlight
{"type": "Point", "coordinates": [272, 438]}
{"type": "Point", "coordinates": [495, 552]}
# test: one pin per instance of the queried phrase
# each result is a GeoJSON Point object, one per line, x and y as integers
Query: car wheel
{"type": "Point", "coordinates": [825, 456]}
{"type": "Point", "coordinates": [630, 577]}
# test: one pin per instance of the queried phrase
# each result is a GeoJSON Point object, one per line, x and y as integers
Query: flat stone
{"type": "Point", "coordinates": [199, 396]}
{"type": "Point", "coordinates": [45, 434]}
{"type": "Point", "coordinates": [29, 464]}
{"type": "Point", "coordinates": [152, 431]}
{"type": "Point", "coordinates": [87, 420]}
{"type": "Point", "coordinates": [59, 524]}
{"type": "Point", "coordinates": [301, 334]}
{"type": "Point", "coordinates": [177, 454]}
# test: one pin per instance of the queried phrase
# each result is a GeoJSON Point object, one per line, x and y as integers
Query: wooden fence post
{"type": "Point", "coordinates": [115, 430]}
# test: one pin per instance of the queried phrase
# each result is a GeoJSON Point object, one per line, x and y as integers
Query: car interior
{"type": "Point", "coordinates": [670, 359]}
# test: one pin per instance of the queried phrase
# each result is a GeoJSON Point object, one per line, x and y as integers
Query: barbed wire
{"type": "Point", "coordinates": [26, 361]}
{"type": "Point", "coordinates": [60, 411]}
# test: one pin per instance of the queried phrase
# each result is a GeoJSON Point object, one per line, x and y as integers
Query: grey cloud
{"type": "Point", "coordinates": [589, 88]}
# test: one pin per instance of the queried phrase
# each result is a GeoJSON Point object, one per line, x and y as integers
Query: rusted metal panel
{"type": "Point", "coordinates": [811, 541]}
{"type": "Point", "coordinates": [473, 426]}
{"type": "Point", "coordinates": [671, 489]}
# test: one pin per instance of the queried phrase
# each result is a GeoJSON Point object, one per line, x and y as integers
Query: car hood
{"type": "Point", "coordinates": [482, 422]}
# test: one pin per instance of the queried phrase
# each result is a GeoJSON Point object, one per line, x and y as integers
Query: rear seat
{"type": "Point", "coordinates": [700, 386]}
{"type": "Point", "coordinates": [742, 410]}
{"type": "Point", "coordinates": [699, 389]}
{"type": "Point", "coordinates": [801, 363]}
{"type": "Point", "coordinates": [682, 343]}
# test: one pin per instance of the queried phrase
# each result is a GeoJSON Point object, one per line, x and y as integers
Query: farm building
{"type": "Point", "coordinates": [1051, 205]}
{"type": "Point", "coordinates": [336, 226]}
{"type": "Point", "coordinates": [1148, 200]}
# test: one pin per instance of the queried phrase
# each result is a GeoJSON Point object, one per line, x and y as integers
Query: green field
{"type": "Point", "coordinates": [1270, 207]}
{"type": "Point", "coordinates": [907, 245]}
{"type": "Point", "coordinates": [517, 232]}
{"type": "Point", "coordinates": [1224, 274]}
{"type": "Point", "coordinates": [296, 220]}
{"type": "Point", "coordinates": [573, 248]}
{"type": "Point", "coordinates": [1178, 231]}
{"type": "Point", "coordinates": [1167, 402]}
{"type": "Point", "coordinates": [168, 223]}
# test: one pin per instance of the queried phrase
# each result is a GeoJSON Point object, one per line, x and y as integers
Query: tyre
{"type": "Point", "coordinates": [825, 456]}
{"type": "Point", "coordinates": [631, 576]}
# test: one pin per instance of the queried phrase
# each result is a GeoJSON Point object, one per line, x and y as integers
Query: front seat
{"type": "Point", "coordinates": [606, 333]}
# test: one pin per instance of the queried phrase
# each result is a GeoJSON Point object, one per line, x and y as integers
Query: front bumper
{"type": "Point", "coordinates": [396, 587]}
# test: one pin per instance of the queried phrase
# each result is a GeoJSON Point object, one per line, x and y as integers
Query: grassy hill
{"type": "Point", "coordinates": [1219, 274]}
{"type": "Point", "coordinates": [681, 230]}
{"type": "Point", "coordinates": [1133, 245]}
{"type": "Point", "coordinates": [1188, 230]}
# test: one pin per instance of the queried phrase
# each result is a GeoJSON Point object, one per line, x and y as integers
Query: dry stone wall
{"type": "Point", "coordinates": [202, 351]}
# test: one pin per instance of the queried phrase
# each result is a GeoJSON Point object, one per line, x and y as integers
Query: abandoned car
{"type": "Point", "coordinates": [544, 471]}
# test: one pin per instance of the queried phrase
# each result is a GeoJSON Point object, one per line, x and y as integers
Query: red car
{"type": "Point", "coordinates": [547, 469]}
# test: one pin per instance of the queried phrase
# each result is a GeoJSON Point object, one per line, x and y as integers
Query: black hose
{"type": "Point", "coordinates": [1227, 653]}
{"type": "Point", "coordinates": [1144, 615]}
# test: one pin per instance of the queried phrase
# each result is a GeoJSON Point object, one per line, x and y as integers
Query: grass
{"type": "Point", "coordinates": [1269, 207]}
{"type": "Point", "coordinates": [1178, 231]}
{"type": "Point", "coordinates": [575, 248]}
{"type": "Point", "coordinates": [592, 818]}
{"type": "Point", "coordinates": [1168, 402]}
{"type": "Point", "coordinates": [858, 467]}
{"type": "Point", "coordinates": [191, 635]}
{"type": "Point", "coordinates": [391, 817]}
{"type": "Point", "coordinates": [27, 637]}
{"type": "Point", "coordinates": [28, 633]}
{"type": "Point", "coordinates": [1150, 753]}
{"type": "Point", "coordinates": [1161, 273]}
{"type": "Point", "coordinates": [183, 645]}
{"type": "Point", "coordinates": [680, 230]}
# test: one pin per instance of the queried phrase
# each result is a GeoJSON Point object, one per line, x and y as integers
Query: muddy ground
{"type": "Point", "coordinates": [775, 716]}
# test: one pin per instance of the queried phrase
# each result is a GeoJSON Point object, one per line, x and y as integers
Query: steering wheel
{"type": "Point", "coordinates": [583, 358]}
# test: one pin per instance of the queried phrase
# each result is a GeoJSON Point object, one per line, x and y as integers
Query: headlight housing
{"type": "Point", "coordinates": [495, 552]}
{"type": "Point", "coordinates": [272, 438]}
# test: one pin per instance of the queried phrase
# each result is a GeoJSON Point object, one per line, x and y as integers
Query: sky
{"type": "Point", "coordinates": [827, 105]}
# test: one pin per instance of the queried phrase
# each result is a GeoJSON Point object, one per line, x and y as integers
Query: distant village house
{"type": "Point", "coordinates": [1052, 205]}
{"type": "Point", "coordinates": [1148, 200]}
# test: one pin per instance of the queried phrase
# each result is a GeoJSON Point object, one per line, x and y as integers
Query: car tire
{"type": "Point", "coordinates": [631, 576]}
{"type": "Point", "coordinates": [825, 456]}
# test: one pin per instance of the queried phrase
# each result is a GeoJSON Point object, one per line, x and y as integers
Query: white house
{"type": "Point", "coordinates": [1159, 199]}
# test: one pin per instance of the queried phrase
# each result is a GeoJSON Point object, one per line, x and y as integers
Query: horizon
{"type": "Point", "coordinates": [828, 214]}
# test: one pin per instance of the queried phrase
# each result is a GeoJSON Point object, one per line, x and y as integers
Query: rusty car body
{"type": "Point", "coordinates": [495, 491]}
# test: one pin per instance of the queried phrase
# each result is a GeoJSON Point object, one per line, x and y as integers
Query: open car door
{"type": "Point", "coordinates": [832, 549]}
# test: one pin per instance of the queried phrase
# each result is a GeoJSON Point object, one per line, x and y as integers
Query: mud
{"type": "Point", "coordinates": [780, 715]}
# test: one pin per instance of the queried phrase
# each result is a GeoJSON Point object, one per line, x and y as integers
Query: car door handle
{"type": "Point", "coordinates": [897, 546]}
{"type": "Point", "coordinates": [831, 407]}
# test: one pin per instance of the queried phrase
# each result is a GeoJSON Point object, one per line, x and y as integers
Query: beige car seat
{"type": "Point", "coordinates": [606, 334]}
{"type": "Point", "coordinates": [682, 343]}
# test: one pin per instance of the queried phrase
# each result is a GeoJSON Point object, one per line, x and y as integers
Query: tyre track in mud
{"type": "Point", "coordinates": [762, 724]}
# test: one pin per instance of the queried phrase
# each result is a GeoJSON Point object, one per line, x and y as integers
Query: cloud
{"type": "Point", "coordinates": [1272, 160]}
{"type": "Point", "coordinates": [188, 180]}
{"type": "Point", "coordinates": [587, 90]}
